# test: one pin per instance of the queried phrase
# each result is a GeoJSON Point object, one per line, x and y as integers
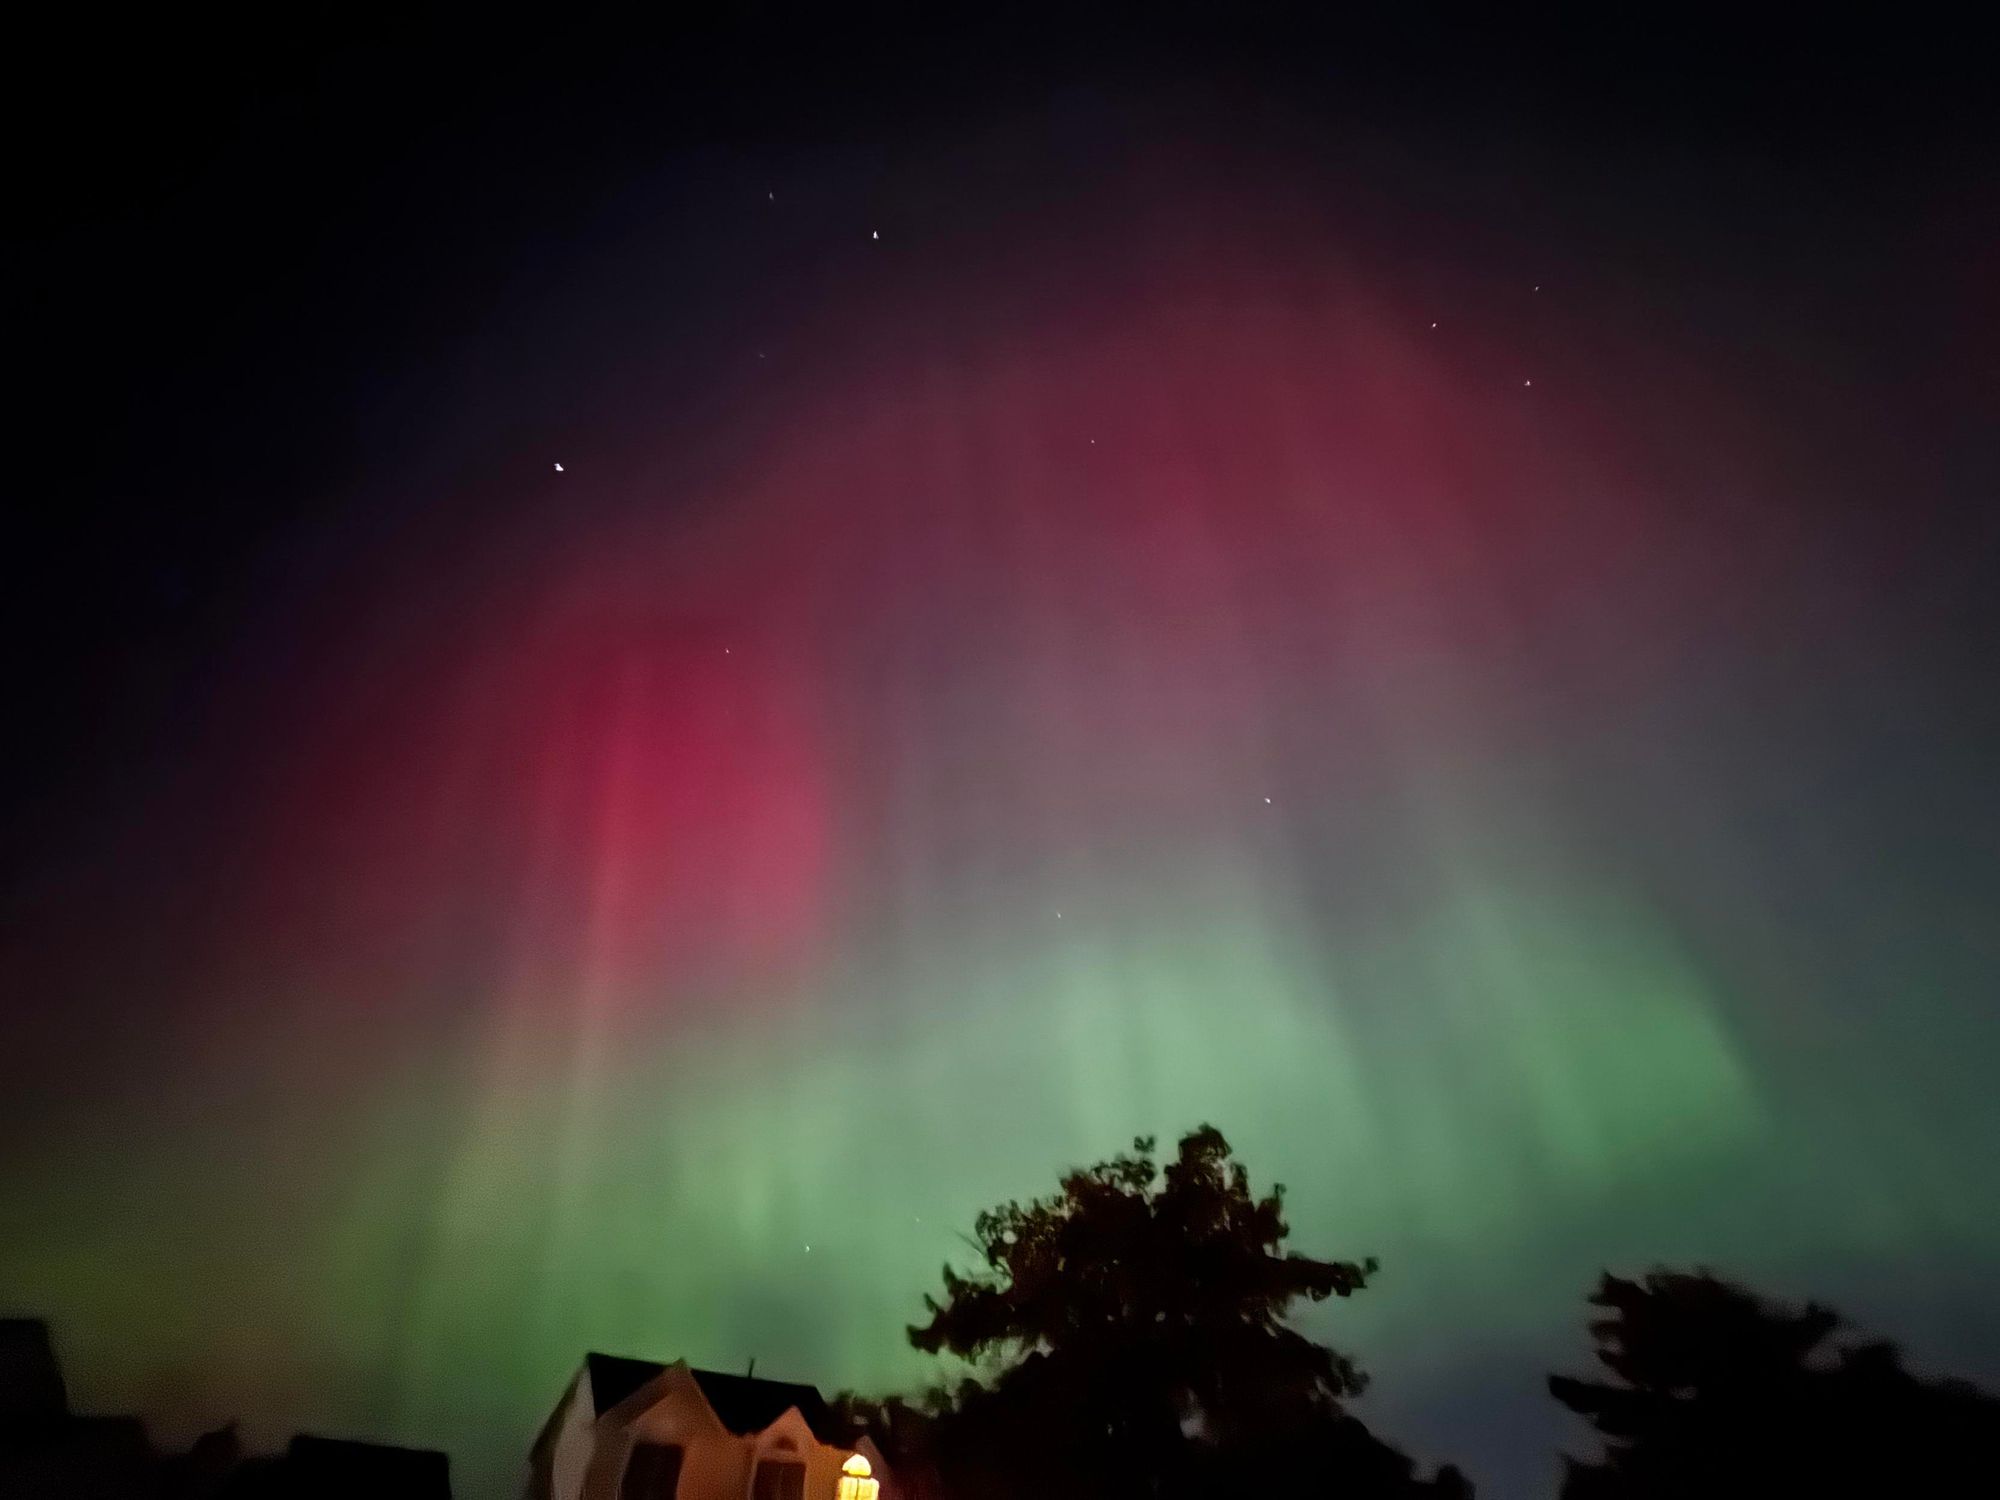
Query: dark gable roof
{"type": "Point", "coordinates": [334, 1467]}
{"type": "Point", "coordinates": [743, 1403]}
{"type": "Point", "coordinates": [747, 1404]}
{"type": "Point", "coordinates": [613, 1378]}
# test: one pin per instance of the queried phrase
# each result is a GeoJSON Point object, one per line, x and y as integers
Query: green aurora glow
{"type": "Point", "coordinates": [1074, 730]}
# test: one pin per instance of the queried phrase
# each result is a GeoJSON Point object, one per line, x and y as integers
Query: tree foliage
{"type": "Point", "coordinates": [1132, 1329]}
{"type": "Point", "coordinates": [1715, 1392]}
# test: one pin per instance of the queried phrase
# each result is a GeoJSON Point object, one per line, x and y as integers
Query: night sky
{"type": "Point", "coordinates": [1426, 596]}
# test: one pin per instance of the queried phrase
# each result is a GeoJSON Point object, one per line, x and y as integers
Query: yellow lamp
{"type": "Point", "coordinates": [855, 1480]}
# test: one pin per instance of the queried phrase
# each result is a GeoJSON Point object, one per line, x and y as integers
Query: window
{"type": "Point", "coordinates": [652, 1472]}
{"type": "Point", "coordinates": [856, 1482]}
{"type": "Point", "coordinates": [779, 1479]}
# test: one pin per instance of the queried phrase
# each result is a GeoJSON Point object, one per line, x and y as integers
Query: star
{"type": "Point", "coordinates": [1527, 382]}
{"type": "Point", "coordinates": [559, 468]}
{"type": "Point", "coordinates": [874, 234]}
{"type": "Point", "coordinates": [772, 196]}
{"type": "Point", "coordinates": [1267, 801]}
{"type": "Point", "coordinates": [1433, 325]}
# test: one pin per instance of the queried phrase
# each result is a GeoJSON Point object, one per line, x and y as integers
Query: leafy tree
{"type": "Point", "coordinates": [1715, 1392]}
{"type": "Point", "coordinates": [1132, 1330]}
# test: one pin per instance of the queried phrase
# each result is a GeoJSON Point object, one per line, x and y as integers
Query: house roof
{"type": "Point", "coordinates": [742, 1403]}
{"type": "Point", "coordinates": [747, 1404]}
{"type": "Point", "coordinates": [613, 1378]}
{"type": "Point", "coordinates": [335, 1466]}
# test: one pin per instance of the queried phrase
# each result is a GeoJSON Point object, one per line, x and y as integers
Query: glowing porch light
{"type": "Point", "coordinates": [855, 1483]}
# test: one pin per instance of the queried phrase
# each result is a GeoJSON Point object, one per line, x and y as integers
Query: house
{"type": "Point", "coordinates": [631, 1429]}
{"type": "Point", "coordinates": [48, 1452]}
{"type": "Point", "coordinates": [322, 1468]}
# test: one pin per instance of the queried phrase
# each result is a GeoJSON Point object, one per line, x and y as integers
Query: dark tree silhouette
{"type": "Point", "coordinates": [1134, 1327]}
{"type": "Point", "coordinates": [1715, 1392]}
{"type": "Point", "coordinates": [906, 1433]}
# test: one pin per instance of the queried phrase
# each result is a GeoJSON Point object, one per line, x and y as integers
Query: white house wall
{"type": "Point", "coordinates": [574, 1442]}
{"type": "Point", "coordinates": [822, 1463]}
{"type": "Point", "coordinates": [715, 1463]}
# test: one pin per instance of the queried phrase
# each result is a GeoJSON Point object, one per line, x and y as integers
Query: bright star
{"type": "Point", "coordinates": [559, 468]}
{"type": "Point", "coordinates": [874, 234]}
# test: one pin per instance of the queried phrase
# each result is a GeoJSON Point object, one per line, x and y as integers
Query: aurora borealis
{"type": "Point", "coordinates": [1048, 629]}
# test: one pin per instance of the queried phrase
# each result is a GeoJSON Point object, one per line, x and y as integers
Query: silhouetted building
{"type": "Point", "coordinates": [319, 1468]}
{"type": "Point", "coordinates": [48, 1454]}
{"type": "Point", "coordinates": [31, 1383]}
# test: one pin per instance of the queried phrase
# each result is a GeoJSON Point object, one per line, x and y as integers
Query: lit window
{"type": "Point", "coordinates": [855, 1483]}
